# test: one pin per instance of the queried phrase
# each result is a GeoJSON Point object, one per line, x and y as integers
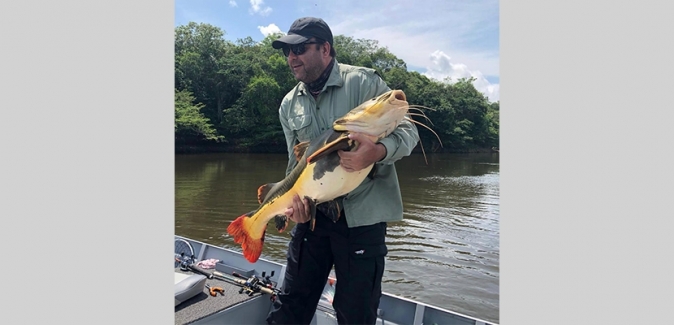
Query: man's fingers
{"type": "Point", "coordinates": [355, 136]}
{"type": "Point", "coordinates": [298, 212]}
{"type": "Point", "coordinates": [345, 160]}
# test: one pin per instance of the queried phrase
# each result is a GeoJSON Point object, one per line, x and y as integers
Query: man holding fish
{"type": "Point", "coordinates": [353, 239]}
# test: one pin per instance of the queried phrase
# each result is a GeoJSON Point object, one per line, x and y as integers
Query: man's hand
{"type": "Point", "coordinates": [366, 154]}
{"type": "Point", "coordinates": [299, 211]}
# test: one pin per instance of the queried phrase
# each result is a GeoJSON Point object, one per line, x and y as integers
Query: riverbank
{"type": "Point", "coordinates": [220, 148]}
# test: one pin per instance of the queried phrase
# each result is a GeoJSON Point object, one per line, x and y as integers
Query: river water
{"type": "Point", "coordinates": [445, 252]}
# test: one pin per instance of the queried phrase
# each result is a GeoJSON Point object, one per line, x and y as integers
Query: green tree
{"type": "Point", "coordinates": [366, 53]}
{"type": "Point", "coordinates": [199, 49]}
{"type": "Point", "coordinates": [254, 117]}
{"type": "Point", "coordinates": [191, 126]}
{"type": "Point", "coordinates": [354, 52]}
{"type": "Point", "coordinates": [471, 109]}
{"type": "Point", "coordinates": [493, 118]}
{"type": "Point", "coordinates": [238, 87]}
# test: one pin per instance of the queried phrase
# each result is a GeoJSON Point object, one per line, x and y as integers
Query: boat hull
{"type": "Point", "coordinates": [246, 309]}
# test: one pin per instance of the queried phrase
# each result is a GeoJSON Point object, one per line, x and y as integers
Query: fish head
{"type": "Point", "coordinates": [377, 117]}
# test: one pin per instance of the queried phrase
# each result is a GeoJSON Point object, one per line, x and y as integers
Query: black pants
{"type": "Point", "coordinates": [358, 256]}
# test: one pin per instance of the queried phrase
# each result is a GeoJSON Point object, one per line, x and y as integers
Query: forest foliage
{"type": "Point", "coordinates": [227, 94]}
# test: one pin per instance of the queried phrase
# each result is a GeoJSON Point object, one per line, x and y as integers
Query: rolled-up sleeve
{"type": "Point", "coordinates": [400, 142]}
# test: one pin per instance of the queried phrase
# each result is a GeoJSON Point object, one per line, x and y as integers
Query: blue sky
{"type": "Point", "coordinates": [438, 38]}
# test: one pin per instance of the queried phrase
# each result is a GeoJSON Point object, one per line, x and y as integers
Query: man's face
{"type": "Point", "coordinates": [308, 66]}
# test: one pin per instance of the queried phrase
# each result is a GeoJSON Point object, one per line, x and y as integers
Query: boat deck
{"type": "Point", "coordinates": [204, 305]}
{"type": "Point", "coordinates": [241, 309]}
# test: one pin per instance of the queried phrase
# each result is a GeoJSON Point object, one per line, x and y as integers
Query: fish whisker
{"type": "Point", "coordinates": [428, 128]}
{"type": "Point", "coordinates": [419, 107]}
{"type": "Point", "coordinates": [420, 112]}
{"type": "Point", "coordinates": [421, 115]}
{"type": "Point", "coordinates": [424, 125]}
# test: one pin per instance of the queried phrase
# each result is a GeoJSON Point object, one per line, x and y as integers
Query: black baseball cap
{"type": "Point", "coordinates": [302, 30]}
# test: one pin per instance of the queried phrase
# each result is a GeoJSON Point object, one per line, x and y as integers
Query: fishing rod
{"type": "Point", "coordinates": [252, 284]}
{"type": "Point", "coordinates": [187, 263]}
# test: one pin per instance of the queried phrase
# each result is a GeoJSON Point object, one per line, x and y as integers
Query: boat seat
{"type": "Point", "coordinates": [188, 286]}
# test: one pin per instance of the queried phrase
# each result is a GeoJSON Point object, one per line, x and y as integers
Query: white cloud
{"type": "Point", "coordinates": [442, 68]}
{"type": "Point", "coordinates": [269, 29]}
{"type": "Point", "coordinates": [467, 29]}
{"type": "Point", "coordinates": [256, 7]}
{"type": "Point", "coordinates": [232, 3]}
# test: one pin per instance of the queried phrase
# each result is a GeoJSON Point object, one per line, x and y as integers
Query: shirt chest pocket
{"type": "Point", "coordinates": [300, 125]}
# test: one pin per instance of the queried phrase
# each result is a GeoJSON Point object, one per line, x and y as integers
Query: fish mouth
{"type": "Point", "coordinates": [394, 97]}
{"type": "Point", "coordinates": [397, 95]}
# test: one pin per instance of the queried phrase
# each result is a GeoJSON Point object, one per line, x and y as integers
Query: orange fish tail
{"type": "Point", "coordinates": [252, 248]}
{"type": "Point", "coordinates": [237, 229]}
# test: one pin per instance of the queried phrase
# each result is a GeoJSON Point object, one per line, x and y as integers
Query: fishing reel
{"type": "Point", "coordinates": [266, 280]}
{"type": "Point", "coordinates": [184, 261]}
{"type": "Point", "coordinates": [253, 284]}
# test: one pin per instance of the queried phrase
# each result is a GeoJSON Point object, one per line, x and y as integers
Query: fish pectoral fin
{"type": "Point", "coordinates": [330, 209]}
{"type": "Point", "coordinates": [281, 222]}
{"type": "Point", "coordinates": [342, 142]}
{"type": "Point", "coordinates": [312, 212]}
{"type": "Point", "coordinates": [299, 149]}
{"type": "Point", "coordinates": [263, 190]}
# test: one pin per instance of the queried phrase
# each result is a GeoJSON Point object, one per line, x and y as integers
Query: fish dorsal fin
{"type": "Point", "coordinates": [342, 142]}
{"type": "Point", "coordinates": [299, 149]}
{"type": "Point", "coordinates": [263, 190]}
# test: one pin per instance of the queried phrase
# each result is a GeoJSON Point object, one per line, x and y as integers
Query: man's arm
{"type": "Point", "coordinates": [392, 148]}
{"type": "Point", "coordinates": [291, 139]}
{"type": "Point", "coordinates": [400, 142]}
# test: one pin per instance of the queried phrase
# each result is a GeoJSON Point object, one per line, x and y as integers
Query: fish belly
{"type": "Point", "coordinates": [331, 185]}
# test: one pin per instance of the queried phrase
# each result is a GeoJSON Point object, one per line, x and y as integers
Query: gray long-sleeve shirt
{"type": "Point", "coordinates": [304, 118]}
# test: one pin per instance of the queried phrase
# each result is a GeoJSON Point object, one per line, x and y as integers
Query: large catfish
{"type": "Point", "coordinates": [318, 176]}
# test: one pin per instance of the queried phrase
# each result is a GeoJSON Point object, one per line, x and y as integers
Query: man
{"type": "Point", "coordinates": [355, 244]}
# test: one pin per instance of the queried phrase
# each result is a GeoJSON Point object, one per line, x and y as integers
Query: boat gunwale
{"type": "Point", "coordinates": [420, 307]}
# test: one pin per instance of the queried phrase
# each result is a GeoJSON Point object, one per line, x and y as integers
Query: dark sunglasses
{"type": "Point", "coordinates": [298, 49]}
